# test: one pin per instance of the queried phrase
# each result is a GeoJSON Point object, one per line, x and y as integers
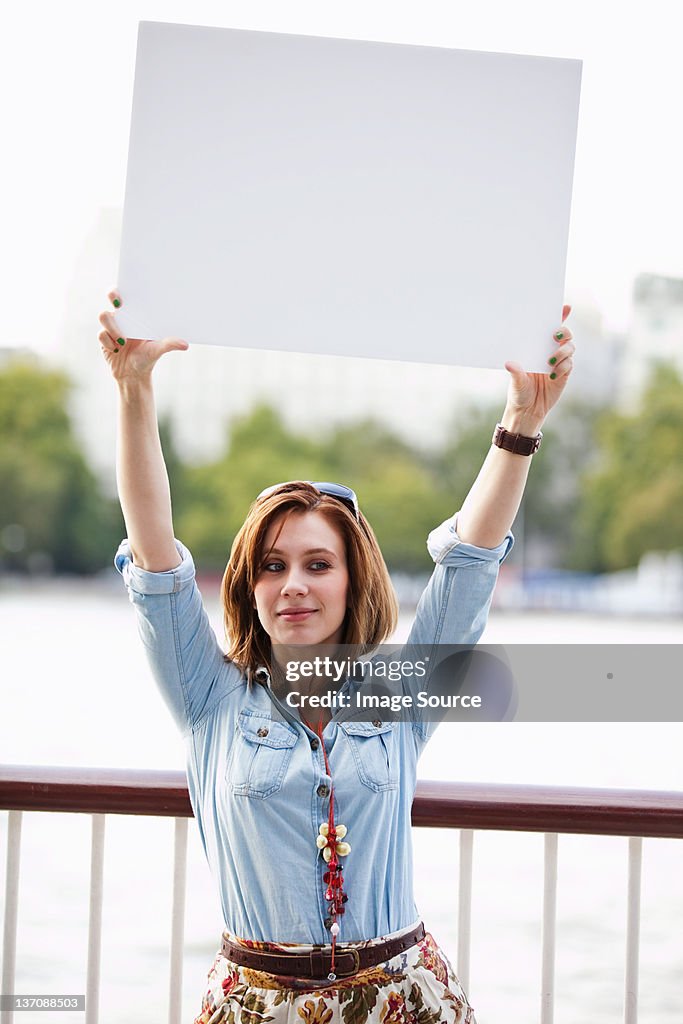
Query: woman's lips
{"type": "Point", "coordinates": [296, 614]}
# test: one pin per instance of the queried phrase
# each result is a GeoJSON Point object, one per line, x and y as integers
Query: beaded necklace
{"type": "Point", "coordinates": [330, 842]}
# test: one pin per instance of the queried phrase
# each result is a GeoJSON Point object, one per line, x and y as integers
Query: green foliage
{"type": "Point", "coordinates": [632, 500]}
{"type": "Point", "coordinates": [397, 488]}
{"type": "Point", "coordinates": [52, 514]}
{"type": "Point", "coordinates": [604, 489]}
{"type": "Point", "coordinates": [404, 492]}
{"type": "Point", "coordinates": [552, 496]}
{"type": "Point", "coordinates": [399, 494]}
{"type": "Point", "coordinates": [260, 451]}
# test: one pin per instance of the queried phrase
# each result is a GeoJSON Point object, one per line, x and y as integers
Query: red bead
{"type": "Point", "coordinates": [329, 895]}
{"type": "Point", "coordinates": [327, 877]}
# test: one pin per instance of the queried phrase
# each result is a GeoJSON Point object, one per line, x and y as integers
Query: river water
{"type": "Point", "coordinates": [76, 691]}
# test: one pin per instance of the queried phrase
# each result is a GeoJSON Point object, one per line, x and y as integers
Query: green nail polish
{"type": "Point", "coordinates": [553, 376]}
{"type": "Point", "coordinates": [559, 335]}
{"type": "Point", "coordinates": [552, 360]}
{"type": "Point", "coordinates": [117, 302]}
{"type": "Point", "coordinates": [120, 341]}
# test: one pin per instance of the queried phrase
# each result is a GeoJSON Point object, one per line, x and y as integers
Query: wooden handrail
{"type": "Point", "coordinates": [615, 812]}
{"type": "Point", "coordinates": [94, 790]}
{"type": "Point", "coordinates": [608, 812]}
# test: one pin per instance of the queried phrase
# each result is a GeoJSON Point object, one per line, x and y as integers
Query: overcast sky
{"type": "Point", "coordinates": [66, 73]}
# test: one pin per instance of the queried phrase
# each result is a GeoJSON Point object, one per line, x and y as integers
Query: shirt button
{"type": "Point", "coordinates": [323, 790]}
{"type": "Point", "coordinates": [315, 744]}
{"type": "Point", "coordinates": [263, 731]}
{"type": "Point", "coordinates": [377, 722]}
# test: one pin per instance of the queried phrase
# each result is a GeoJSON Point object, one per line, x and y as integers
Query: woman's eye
{"type": "Point", "coordinates": [273, 567]}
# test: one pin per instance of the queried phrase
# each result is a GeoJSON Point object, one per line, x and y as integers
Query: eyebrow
{"type": "Point", "coordinates": [310, 551]}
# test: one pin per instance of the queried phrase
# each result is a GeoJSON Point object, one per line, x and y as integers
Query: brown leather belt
{"type": "Point", "coordinates": [318, 963]}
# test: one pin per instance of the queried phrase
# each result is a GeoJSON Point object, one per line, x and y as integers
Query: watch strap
{"type": "Point", "coordinates": [517, 443]}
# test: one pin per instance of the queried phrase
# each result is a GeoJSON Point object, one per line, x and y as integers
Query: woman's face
{"type": "Point", "coordinates": [302, 585]}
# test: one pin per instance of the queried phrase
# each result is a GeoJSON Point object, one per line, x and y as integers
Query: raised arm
{"type": "Point", "coordinates": [141, 471]}
{"type": "Point", "coordinates": [494, 498]}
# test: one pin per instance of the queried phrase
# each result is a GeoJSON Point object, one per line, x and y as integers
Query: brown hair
{"type": "Point", "coordinates": [373, 609]}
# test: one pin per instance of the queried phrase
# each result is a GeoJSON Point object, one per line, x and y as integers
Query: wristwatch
{"type": "Point", "coordinates": [517, 443]}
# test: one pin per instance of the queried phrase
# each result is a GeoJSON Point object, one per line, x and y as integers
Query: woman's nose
{"type": "Point", "coordinates": [294, 583]}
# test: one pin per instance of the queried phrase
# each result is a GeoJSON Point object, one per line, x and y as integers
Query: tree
{"type": "Point", "coordinates": [397, 491]}
{"type": "Point", "coordinates": [52, 513]}
{"type": "Point", "coordinates": [552, 494]}
{"type": "Point", "coordinates": [405, 492]}
{"type": "Point", "coordinates": [260, 451]}
{"type": "Point", "coordinates": [632, 501]}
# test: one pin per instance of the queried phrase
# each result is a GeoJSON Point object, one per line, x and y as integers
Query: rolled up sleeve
{"type": "Point", "coordinates": [446, 548]}
{"type": "Point", "coordinates": [454, 606]}
{"type": "Point", "coordinates": [183, 652]}
{"type": "Point", "coordinates": [142, 581]}
{"type": "Point", "coordinates": [455, 603]}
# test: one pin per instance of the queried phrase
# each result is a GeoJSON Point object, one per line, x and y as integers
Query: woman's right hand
{"type": "Point", "coordinates": [140, 468]}
{"type": "Point", "coordinates": [131, 358]}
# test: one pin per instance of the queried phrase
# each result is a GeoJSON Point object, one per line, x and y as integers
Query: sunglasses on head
{"type": "Point", "coordinates": [339, 491]}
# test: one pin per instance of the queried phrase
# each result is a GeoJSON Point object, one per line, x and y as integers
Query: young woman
{"type": "Point", "coordinates": [304, 812]}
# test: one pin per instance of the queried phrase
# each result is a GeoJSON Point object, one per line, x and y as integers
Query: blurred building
{"type": "Point", "coordinates": [203, 389]}
{"type": "Point", "coordinates": [15, 353]}
{"type": "Point", "coordinates": [655, 333]}
{"type": "Point", "coordinates": [598, 350]}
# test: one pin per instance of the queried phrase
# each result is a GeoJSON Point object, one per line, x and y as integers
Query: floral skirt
{"type": "Point", "coordinates": [418, 986]}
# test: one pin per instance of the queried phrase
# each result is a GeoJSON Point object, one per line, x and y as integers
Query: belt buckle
{"type": "Point", "coordinates": [356, 964]}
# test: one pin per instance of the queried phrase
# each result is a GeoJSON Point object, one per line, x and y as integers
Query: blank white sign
{"type": "Point", "coordinates": [347, 197]}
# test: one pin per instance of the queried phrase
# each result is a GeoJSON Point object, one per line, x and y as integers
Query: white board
{"type": "Point", "coordinates": [347, 197]}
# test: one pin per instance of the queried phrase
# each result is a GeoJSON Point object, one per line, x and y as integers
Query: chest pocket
{"type": "Point", "coordinates": [375, 751]}
{"type": "Point", "coordinates": [260, 756]}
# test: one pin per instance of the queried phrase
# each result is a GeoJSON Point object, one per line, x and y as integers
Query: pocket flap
{"type": "Point", "coordinates": [263, 730]}
{"type": "Point", "coordinates": [366, 728]}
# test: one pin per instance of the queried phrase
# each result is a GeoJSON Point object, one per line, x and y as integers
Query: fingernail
{"type": "Point", "coordinates": [120, 341]}
{"type": "Point", "coordinates": [552, 360]}
{"type": "Point", "coordinates": [559, 335]}
{"type": "Point", "coordinates": [553, 376]}
{"type": "Point", "coordinates": [117, 302]}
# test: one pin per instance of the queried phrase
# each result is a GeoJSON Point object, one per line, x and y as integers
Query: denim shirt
{"type": "Point", "coordinates": [257, 781]}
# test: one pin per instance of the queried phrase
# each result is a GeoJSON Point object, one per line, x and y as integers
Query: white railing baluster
{"type": "Point", "coordinates": [9, 943]}
{"type": "Point", "coordinates": [78, 791]}
{"type": "Point", "coordinates": [635, 861]}
{"type": "Point", "coordinates": [178, 920]}
{"type": "Point", "coordinates": [465, 907]}
{"type": "Point", "coordinates": [92, 991]}
{"type": "Point", "coordinates": [549, 924]}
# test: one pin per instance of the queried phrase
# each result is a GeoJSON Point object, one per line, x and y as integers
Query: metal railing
{"type": "Point", "coordinates": [465, 806]}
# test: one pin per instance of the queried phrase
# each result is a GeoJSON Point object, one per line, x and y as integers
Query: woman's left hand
{"type": "Point", "coordinates": [531, 396]}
